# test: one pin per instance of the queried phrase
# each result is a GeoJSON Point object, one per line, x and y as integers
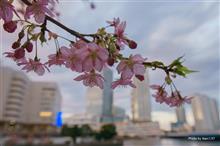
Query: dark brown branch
{"type": "Point", "coordinates": [48, 18]}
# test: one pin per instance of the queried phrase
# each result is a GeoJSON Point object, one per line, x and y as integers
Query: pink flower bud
{"type": "Point", "coordinates": [139, 77]}
{"type": "Point", "coordinates": [111, 61]}
{"type": "Point", "coordinates": [132, 44]}
{"type": "Point", "coordinates": [19, 53]}
{"type": "Point", "coordinates": [15, 45]}
{"type": "Point", "coordinates": [29, 46]}
{"type": "Point", "coordinates": [10, 26]}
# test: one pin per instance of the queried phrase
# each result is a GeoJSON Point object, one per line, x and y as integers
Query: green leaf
{"type": "Point", "coordinates": [186, 70]}
{"type": "Point", "coordinates": [176, 62]}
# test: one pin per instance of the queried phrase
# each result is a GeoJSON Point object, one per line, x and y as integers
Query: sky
{"type": "Point", "coordinates": [164, 30]}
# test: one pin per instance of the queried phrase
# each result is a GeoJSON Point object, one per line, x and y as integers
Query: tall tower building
{"type": "Point", "coordinates": [100, 102]}
{"type": "Point", "coordinates": [107, 96]}
{"type": "Point", "coordinates": [94, 101]}
{"type": "Point", "coordinates": [180, 114]}
{"type": "Point", "coordinates": [141, 103]}
{"type": "Point", "coordinates": [205, 111]}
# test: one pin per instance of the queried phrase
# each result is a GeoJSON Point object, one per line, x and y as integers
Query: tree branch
{"type": "Point", "coordinates": [48, 18]}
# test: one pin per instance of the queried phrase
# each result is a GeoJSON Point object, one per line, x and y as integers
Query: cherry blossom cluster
{"type": "Point", "coordinates": [174, 99]}
{"type": "Point", "coordinates": [87, 54]}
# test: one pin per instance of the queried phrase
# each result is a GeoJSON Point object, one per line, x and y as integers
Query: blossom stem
{"type": "Point", "coordinates": [73, 32]}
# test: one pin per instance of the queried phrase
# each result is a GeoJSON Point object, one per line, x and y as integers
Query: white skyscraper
{"type": "Point", "coordinates": [14, 87]}
{"type": "Point", "coordinates": [205, 111]}
{"type": "Point", "coordinates": [25, 101]}
{"type": "Point", "coordinates": [141, 103]}
{"type": "Point", "coordinates": [94, 101]}
{"type": "Point", "coordinates": [180, 114]}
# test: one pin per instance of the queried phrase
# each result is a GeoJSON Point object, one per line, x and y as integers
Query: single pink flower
{"type": "Point", "coordinates": [119, 32]}
{"type": "Point", "coordinates": [188, 99]}
{"type": "Point", "coordinates": [114, 23]}
{"type": "Point", "coordinates": [79, 44]}
{"type": "Point", "coordinates": [55, 59]}
{"type": "Point", "coordinates": [122, 82]}
{"type": "Point", "coordinates": [91, 79]}
{"type": "Point", "coordinates": [13, 57]}
{"type": "Point", "coordinates": [155, 87]}
{"type": "Point", "coordinates": [93, 57]}
{"type": "Point", "coordinates": [34, 65]}
{"type": "Point", "coordinates": [39, 9]}
{"type": "Point", "coordinates": [160, 96]}
{"type": "Point", "coordinates": [133, 65]}
{"type": "Point", "coordinates": [71, 58]}
{"type": "Point", "coordinates": [6, 10]}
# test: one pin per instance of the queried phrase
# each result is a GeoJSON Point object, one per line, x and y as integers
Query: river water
{"type": "Point", "coordinates": [170, 142]}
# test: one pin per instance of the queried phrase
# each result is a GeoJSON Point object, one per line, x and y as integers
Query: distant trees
{"type": "Point", "coordinates": [106, 132]}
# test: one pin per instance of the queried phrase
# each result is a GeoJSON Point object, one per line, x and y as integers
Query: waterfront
{"type": "Point", "coordinates": [170, 142]}
{"type": "Point", "coordinates": [158, 142]}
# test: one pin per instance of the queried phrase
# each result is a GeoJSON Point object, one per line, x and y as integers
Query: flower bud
{"type": "Point", "coordinates": [19, 53]}
{"type": "Point", "coordinates": [10, 26]}
{"type": "Point", "coordinates": [111, 61]}
{"type": "Point", "coordinates": [139, 77]}
{"type": "Point", "coordinates": [29, 46]}
{"type": "Point", "coordinates": [132, 44]}
{"type": "Point", "coordinates": [15, 45]}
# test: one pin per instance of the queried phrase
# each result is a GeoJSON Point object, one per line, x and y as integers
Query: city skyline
{"type": "Point", "coordinates": [157, 38]}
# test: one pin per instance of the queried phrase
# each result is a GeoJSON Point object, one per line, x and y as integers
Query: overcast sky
{"type": "Point", "coordinates": [163, 31]}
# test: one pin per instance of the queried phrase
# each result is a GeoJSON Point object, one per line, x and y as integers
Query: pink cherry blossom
{"type": "Point", "coordinates": [79, 44]}
{"type": "Point", "coordinates": [188, 99]}
{"type": "Point", "coordinates": [34, 65]}
{"type": "Point", "coordinates": [133, 65]}
{"type": "Point", "coordinates": [71, 58]}
{"type": "Point", "coordinates": [6, 10]}
{"type": "Point", "coordinates": [160, 96]}
{"type": "Point", "coordinates": [13, 57]}
{"type": "Point", "coordinates": [122, 82]}
{"type": "Point", "coordinates": [93, 56]}
{"type": "Point", "coordinates": [91, 79]}
{"type": "Point", "coordinates": [155, 87]}
{"type": "Point", "coordinates": [55, 59]}
{"type": "Point", "coordinates": [119, 32]}
{"type": "Point", "coordinates": [114, 23]}
{"type": "Point", "coordinates": [39, 10]}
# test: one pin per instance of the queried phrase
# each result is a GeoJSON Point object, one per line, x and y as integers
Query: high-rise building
{"type": "Point", "coordinates": [14, 87]}
{"type": "Point", "coordinates": [100, 102]}
{"type": "Point", "coordinates": [141, 103]}
{"type": "Point", "coordinates": [27, 102]}
{"type": "Point", "coordinates": [205, 111]}
{"type": "Point", "coordinates": [107, 96]}
{"type": "Point", "coordinates": [215, 113]}
{"type": "Point", "coordinates": [180, 114]}
{"type": "Point", "coordinates": [44, 102]}
{"type": "Point", "coordinates": [94, 101]}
